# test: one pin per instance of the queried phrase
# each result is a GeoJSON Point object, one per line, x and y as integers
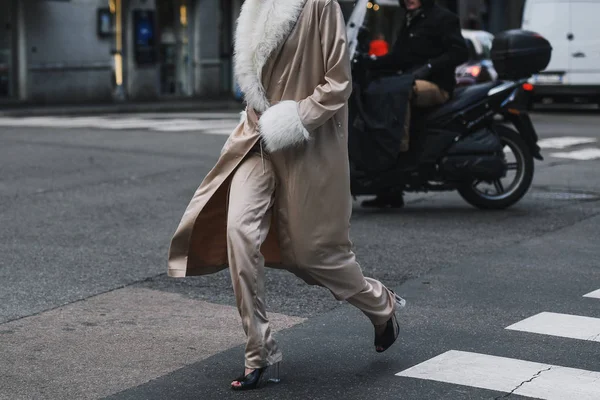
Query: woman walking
{"type": "Point", "coordinates": [280, 192]}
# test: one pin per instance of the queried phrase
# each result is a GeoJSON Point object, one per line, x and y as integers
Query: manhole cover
{"type": "Point", "coordinates": [565, 196]}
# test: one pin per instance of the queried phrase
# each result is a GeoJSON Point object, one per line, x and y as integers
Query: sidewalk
{"type": "Point", "coordinates": [163, 105]}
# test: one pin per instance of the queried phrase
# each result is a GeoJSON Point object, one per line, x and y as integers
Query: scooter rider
{"type": "Point", "coordinates": [430, 46]}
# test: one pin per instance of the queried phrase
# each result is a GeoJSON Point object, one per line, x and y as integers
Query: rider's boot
{"type": "Point", "coordinates": [385, 200]}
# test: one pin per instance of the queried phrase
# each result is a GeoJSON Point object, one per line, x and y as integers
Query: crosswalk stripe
{"type": "Point", "coordinates": [564, 142]}
{"type": "Point", "coordinates": [208, 125]}
{"type": "Point", "coordinates": [525, 378]}
{"type": "Point", "coordinates": [581, 155]}
{"type": "Point", "coordinates": [224, 123]}
{"type": "Point", "coordinates": [595, 294]}
{"type": "Point", "coordinates": [561, 325]}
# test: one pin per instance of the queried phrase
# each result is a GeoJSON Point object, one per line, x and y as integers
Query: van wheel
{"type": "Point", "coordinates": [504, 192]}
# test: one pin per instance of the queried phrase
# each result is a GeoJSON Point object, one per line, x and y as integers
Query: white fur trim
{"type": "Point", "coordinates": [280, 127]}
{"type": "Point", "coordinates": [262, 27]}
{"type": "Point", "coordinates": [243, 116]}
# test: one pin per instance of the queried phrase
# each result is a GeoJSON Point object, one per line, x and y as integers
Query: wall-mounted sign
{"type": "Point", "coordinates": [106, 23]}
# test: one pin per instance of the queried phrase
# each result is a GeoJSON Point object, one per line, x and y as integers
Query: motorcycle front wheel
{"type": "Point", "coordinates": [504, 192]}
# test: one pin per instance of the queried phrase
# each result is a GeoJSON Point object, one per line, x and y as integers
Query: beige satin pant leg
{"type": "Point", "coordinates": [375, 301]}
{"type": "Point", "coordinates": [248, 220]}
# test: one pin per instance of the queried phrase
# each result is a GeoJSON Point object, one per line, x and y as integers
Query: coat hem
{"type": "Point", "coordinates": [187, 271]}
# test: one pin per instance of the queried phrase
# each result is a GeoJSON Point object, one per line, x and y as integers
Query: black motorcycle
{"type": "Point", "coordinates": [465, 145]}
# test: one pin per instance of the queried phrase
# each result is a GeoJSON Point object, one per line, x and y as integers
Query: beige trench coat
{"type": "Point", "coordinates": [296, 71]}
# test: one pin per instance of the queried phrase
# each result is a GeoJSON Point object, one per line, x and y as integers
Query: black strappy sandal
{"type": "Point", "coordinates": [389, 335]}
{"type": "Point", "coordinates": [258, 378]}
{"type": "Point", "coordinates": [392, 329]}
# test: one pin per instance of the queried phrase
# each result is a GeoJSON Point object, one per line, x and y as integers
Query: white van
{"type": "Point", "coordinates": [573, 29]}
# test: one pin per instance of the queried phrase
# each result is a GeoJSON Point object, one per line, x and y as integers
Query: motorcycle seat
{"type": "Point", "coordinates": [462, 98]}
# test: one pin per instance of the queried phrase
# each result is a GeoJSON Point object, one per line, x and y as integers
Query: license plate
{"type": "Point", "coordinates": [548, 79]}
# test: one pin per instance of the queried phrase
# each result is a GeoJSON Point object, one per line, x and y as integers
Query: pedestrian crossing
{"type": "Point", "coordinates": [568, 142]}
{"type": "Point", "coordinates": [521, 377]}
{"type": "Point", "coordinates": [205, 123]}
{"type": "Point", "coordinates": [561, 325]}
{"type": "Point", "coordinates": [580, 155]}
{"type": "Point", "coordinates": [550, 147]}
{"type": "Point", "coordinates": [595, 294]}
{"type": "Point", "coordinates": [564, 142]}
{"type": "Point", "coordinates": [223, 123]}
{"type": "Point", "coordinates": [525, 378]}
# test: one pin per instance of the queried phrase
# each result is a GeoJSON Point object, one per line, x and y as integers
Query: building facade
{"type": "Point", "coordinates": [72, 51]}
{"type": "Point", "coordinates": [75, 51]}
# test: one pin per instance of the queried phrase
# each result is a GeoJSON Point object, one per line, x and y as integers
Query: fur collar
{"type": "Point", "coordinates": [262, 27]}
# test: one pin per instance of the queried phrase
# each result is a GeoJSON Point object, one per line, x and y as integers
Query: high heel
{"type": "Point", "coordinates": [400, 302]}
{"type": "Point", "coordinates": [258, 378]}
{"type": "Point", "coordinates": [386, 339]}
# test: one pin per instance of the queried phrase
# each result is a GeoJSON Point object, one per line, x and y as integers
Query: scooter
{"type": "Point", "coordinates": [464, 147]}
{"type": "Point", "coordinates": [468, 144]}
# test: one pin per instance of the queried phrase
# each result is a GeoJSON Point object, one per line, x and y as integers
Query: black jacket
{"type": "Point", "coordinates": [433, 39]}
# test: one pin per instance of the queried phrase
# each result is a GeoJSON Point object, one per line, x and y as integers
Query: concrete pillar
{"type": "Point", "coordinates": [207, 60]}
{"type": "Point", "coordinates": [498, 16]}
{"type": "Point", "coordinates": [237, 8]}
{"type": "Point", "coordinates": [470, 13]}
{"type": "Point", "coordinates": [515, 17]}
{"type": "Point", "coordinates": [21, 50]}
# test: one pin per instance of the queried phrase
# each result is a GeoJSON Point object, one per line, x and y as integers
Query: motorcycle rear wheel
{"type": "Point", "coordinates": [505, 195]}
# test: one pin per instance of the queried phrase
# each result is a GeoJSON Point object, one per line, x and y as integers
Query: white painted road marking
{"type": "Point", "coordinates": [209, 125]}
{"type": "Point", "coordinates": [562, 325]}
{"type": "Point", "coordinates": [595, 294]}
{"type": "Point", "coordinates": [582, 155]}
{"type": "Point", "coordinates": [564, 142]}
{"type": "Point", "coordinates": [525, 378]}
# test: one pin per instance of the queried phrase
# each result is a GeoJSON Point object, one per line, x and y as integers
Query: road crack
{"type": "Point", "coordinates": [537, 375]}
{"type": "Point", "coordinates": [594, 338]}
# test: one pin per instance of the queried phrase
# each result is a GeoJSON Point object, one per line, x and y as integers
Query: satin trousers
{"type": "Point", "coordinates": [251, 197]}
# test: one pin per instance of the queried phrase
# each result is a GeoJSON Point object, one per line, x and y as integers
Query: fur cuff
{"type": "Point", "coordinates": [280, 127]}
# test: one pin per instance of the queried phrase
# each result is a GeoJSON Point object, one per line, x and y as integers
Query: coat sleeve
{"type": "Point", "coordinates": [289, 123]}
{"type": "Point", "coordinates": [455, 48]}
{"type": "Point", "coordinates": [329, 97]}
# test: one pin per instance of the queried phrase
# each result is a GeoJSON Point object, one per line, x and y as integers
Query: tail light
{"type": "Point", "coordinates": [473, 70]}
{"type": "Point", "coordinates": [528, 87]}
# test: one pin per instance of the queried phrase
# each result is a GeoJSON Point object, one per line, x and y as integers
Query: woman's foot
{"type": "Point", "coordinates": [248, 377]}
{"type": "Point", "coordinates": [257, 378]}
{"type": "Point", "coordinates": [386, 334]}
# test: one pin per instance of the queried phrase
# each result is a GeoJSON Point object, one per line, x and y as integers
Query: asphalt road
{"type": "Point", "coordinates": [87, 209]}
